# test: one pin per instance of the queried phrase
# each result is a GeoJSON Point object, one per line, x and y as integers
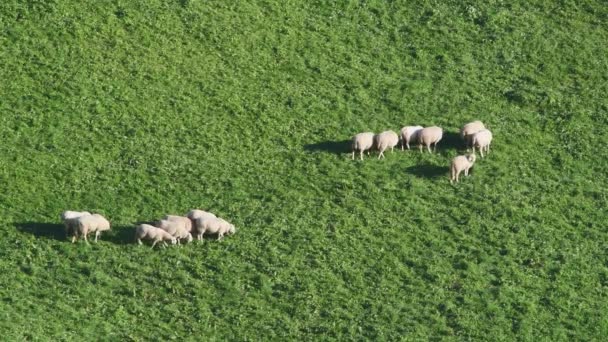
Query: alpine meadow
{"type": "Point", "coordinates": [135, 109]}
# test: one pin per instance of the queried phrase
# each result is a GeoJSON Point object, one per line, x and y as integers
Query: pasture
{"type": "Point", "coordinates": [137, 109]}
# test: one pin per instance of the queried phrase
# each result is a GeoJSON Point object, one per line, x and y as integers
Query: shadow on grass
{"type": "Point", "coordinates": [119, 235]}
{"type": "Point", "coordinates": [342, 146]}
{"type": "Point", "coordinates": [451, 140]}
{"type": "Point", "coordinates": [54, 231]}
{"type": "Point", "coordinates": [428, 171]}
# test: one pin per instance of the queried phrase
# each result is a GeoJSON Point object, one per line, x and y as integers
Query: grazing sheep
{"type": "Point", "coordinates": [409, 134]}
{"type": "Point", "coordinates": [429, 136]}
{"type": "Point", "coordinates": [467, 131]}
{"type": "Point", "coordinates": [176, 229]}
{"type": "Point", "coordinates": [184, 221]}
{"type": "Point", "coordinates": [196, 213]}
{"type": "Point", "coordinates": [482, 140]}
{"type": "Point", "coordinates": [363, 142]}
{"type": "Point", "coordinates": [148, 232]}
{"type": "Point", "coordinates": [88, 224]}
{"type": "Point", "coordinates": [459, 164]}
{"type": "Point", "coordinates": [385, 140]}
{"type": "Point", "coordinates": [69, 220]}
{"type": "Point", "coordinates": [210, 225]}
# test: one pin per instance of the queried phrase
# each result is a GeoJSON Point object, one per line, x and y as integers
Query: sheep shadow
{"type": "Point", "coordinates": [428, 171]}
{"type": "Point", "coordinates": [120, 235]}
{"type": "Point", "coordinates": [54, 231]}
{"type": "Point", "coordinates": [342, 146]}
{"type": "Point", "coordinates": [451, 140]}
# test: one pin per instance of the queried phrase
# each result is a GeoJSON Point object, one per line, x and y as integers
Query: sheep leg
{"type": "Point", "coordinates": [154, 243]}
{"type": "Point", "coordinates": [96, 235]}
{"type": "Point", "coordinates": [407, 143]}
{"type": "Point", "coordinates": [481, 151]}
{"type": "Point", "coordinates": [488, 150]}
{"type": "Point", "coordinates": [392, 149]}
{"type": "Point", "coordinates": [435, 146]}
{"type": "Point", "coordinates": [361, 155]}
{"type": "Point", "coordinates": [353, 154]}
{"type": "Point", "coordinates": [85, 238]}
{"type": "Point", "coordinates": [428, 147]}
{"type": "Point", "coordinates": [220, 236]}
{"type": "Point", "coordinates": [139, 242]}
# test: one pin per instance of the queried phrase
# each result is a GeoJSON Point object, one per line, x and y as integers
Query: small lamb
{"type": "Point", "coordinates": [362, 142]}
{"type": "Point", "coordinates": [467, 131]}
{"type": "Point", "coordinates": [90, 223]}
{"type": "Point", "coordinates": [148, 232]}
{"type": "Point", "coordinates": [429, 136]}
{"type": "Point", "coordinates": [217, 225]}
{"type": "Point", "coordinates": [459, 164]}
{"type": "Point", "coordinates": [482, 140]}
{"type": "Point", "coordinates": [385, 140]}
{"type": "Point", "coordinates": [409, 134]}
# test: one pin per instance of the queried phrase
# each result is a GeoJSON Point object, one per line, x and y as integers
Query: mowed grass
{"type": "Point", "coordinates": [136, 109]}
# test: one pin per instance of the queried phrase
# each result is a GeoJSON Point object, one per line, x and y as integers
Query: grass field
{"type": "Point", "coordinates": [136, 109]}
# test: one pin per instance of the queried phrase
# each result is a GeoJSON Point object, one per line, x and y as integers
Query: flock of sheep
{"type": "Point", "coordinates": [171, 228]}
{"type": "Point", "coordinates": [474, 134]}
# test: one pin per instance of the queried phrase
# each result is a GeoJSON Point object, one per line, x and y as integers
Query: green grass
{"type": "Point", "coordinates": [136, 109]}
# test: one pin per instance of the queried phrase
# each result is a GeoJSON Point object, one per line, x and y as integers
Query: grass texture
{"type": "Point", "coordinates": [136, 109]}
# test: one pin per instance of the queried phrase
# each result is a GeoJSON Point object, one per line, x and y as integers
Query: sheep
{"type": "Point", "coordinates": [184, 221]}
{"type": "Point", "coordinates": [210, 225]}
{"type": "Point", "coordinates": [385, 140]}
{"type": "Point", "coordinates": [409, 134]}
{"type": "Point", "coordinates": [459, 164]}
{"type": "Point", "coordinates": [429, 136]}
{"type": "Point", "coordinates": [482, 140]}
{"type": "Point", "coordinates": [197, 213]}
{"type": "Point", "coordinates": [176, 229]}
{"type": "Point", "coordinates": [146, 231]}
{"type": "Point", "coordinates": [90, 223]}
{"type": "Point", "coordinates": [362, 142]}
{"type": "Point", "coordinates": [69, 220]}
{"type": "Point", "coordinates": [467, 131]}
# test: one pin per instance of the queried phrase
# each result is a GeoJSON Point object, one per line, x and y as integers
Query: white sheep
{"type": "Point", "coordinates": [385, 140]}
{"type": "Point", "coordinates": [90, 223]}
{"type": "Point", "coordinates": [429, 136]}
{"type": "Point", "coordinates": [176, 229]}
{"type": "Point", "coordinates": [196, 213]}
{"type": "Point", "coordinates": [362, 142]}
{"type": "Point", "coordinates": [459, 164]}
{"type": "Point", "coordinates": [69, 220]}
{"type": "Point", "coordinates": [482, 140]}
{"type": "Point", "coordinates": [148, 232]}
{"type": "Point", "coordinates": [213, 226]}
{"type": "Point", "coordinates": [467, 131]}
{"type": "Point", "coordinates": [184, 221]}
{"type": "Point", "coordinates": [409, 134]}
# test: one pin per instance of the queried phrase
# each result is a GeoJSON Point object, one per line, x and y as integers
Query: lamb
{"type": "Point", "coordinates": [482, 140]}
{"type": "Point", "coordinates": [210, 225]}
{"type": "Point", "coordinates": [69, 220]}
{"type": "Point", "coordinates": [90, 223]}
{"type": "Point", "coordinates": [363, 142]}
{"type": "Point", "coordinates": [177, 229]}
{"type": "Point", "coordinates": [385, 140]}
{"type": "Point", "coordinates": [467, 131]}
{"type": "Point", "coordinates": [409, 134]}
{"type": "Point", "coordinates": [459, 164]}
{"type": "Point", "coordinates": [146, 231]}
{"type": "Point", "coordinates": [429, 136]}
{"type": "Point", "coordinates": [184, 221]}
